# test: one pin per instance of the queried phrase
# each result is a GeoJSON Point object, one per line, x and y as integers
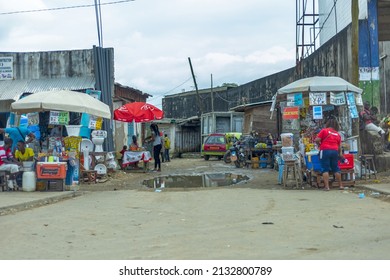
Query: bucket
{"type": "Point", "coordinates": [263, 162]}
{"type": "Point", "coordinates": [29, 181]}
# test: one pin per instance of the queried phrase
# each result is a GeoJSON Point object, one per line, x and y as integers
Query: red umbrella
{"type": "Point", "coordinates": [138, 112]}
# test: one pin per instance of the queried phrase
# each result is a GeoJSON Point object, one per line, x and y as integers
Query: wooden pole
{"type": "Point", "coordinates": [212, 95]}
{"type": "Point", "coordinates": [355, 61]}
{"type": "Point", "coordinates": [355, 42]}
{"type": "Point", "coordinates": [196, 88]}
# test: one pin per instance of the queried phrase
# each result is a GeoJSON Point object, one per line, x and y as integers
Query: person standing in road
{"type": "Point", "coordinates": [329, 141]}
{"type": "Point", "coordinates": [162, 152]}
{"type": "Point", "coordinates": [167, 146]}
{"type": "Point", "coordinates": [155, 138]}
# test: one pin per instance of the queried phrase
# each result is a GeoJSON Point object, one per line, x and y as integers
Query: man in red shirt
{"type": "Point", "coordinates": [329, 141]}
{"type": "Point", "coordinates": [8, 163]}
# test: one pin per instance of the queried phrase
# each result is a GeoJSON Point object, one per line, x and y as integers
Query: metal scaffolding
{"type": "Point", "coordinates": [307, 28]}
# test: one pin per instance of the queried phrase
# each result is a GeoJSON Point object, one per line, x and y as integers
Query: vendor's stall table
{"type": "Point", "coordinates": [131, 157]}
{"type": "Point", "coordinates": [347, 178]}
{"type": "Point", "coordinates": [267, 153]}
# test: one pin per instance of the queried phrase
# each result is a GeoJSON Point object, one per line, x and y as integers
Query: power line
{"type": "Point", "coordinates": [64, 8]}
{"type": "Point", "coordinates": [161, 94]}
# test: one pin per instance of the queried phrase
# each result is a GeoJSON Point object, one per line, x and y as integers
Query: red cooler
{"type": "Point", "coordinates": [348, 162]}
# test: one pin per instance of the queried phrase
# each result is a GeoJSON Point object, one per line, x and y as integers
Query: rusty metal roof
{"type": "Point", "coordinates": [12, 89]}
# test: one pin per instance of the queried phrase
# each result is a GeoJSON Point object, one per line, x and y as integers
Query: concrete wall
{"type": "Point", "coordinates": [189, 104]}
{"type": "Point", "coordinates": [333, 19]}
{"type": "Point", "coordinates": [53, 64]}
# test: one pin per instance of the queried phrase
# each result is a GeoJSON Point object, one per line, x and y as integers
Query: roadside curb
{"type": "Point", "coordinates": [37, 203]}
{"type": "Point", "coordinates": [372, 188]}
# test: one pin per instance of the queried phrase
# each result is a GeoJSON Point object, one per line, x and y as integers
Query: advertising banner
{"type": "Point", "coordinates": [290, 113]}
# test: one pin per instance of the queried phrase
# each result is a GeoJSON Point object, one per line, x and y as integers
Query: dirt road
{"type": "Point", "coordinates": [121, 219]}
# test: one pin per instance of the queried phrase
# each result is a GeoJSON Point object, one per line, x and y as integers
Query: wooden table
{"type": "Point", "coordinates": [267, 153]}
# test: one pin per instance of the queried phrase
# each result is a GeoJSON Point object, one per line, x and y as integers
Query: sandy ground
{"type": "Point", "coordinates": [121, 219]}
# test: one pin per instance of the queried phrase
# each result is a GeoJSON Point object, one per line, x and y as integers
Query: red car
{"type": "Point", "coordinates": [215, 145]}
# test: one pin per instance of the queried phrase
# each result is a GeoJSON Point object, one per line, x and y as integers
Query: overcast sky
{"type": "Point", "coordinates": [235, 41]}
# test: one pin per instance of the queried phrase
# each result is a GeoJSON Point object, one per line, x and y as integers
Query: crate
{"type": "Point", "coordinates": [51, 170]}
{"type": "Point", "coordinates": [348, 163]}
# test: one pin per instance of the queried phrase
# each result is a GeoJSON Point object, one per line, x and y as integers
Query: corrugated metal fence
{"type": "Point", "coordinates": [187, 140]}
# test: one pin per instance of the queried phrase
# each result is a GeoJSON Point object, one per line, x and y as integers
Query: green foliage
{"type": "Point", "coordinates": [229, 85]}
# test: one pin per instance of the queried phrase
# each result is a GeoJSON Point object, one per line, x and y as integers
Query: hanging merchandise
{"type": "Point", "coordinates": [59, 117]}
{"type": "Point", "coordinates": [359, 100]}
{"type": "Point", "coordinates": [33, 118]}
{"type": "Point", "coordinates": [295, 99]}
{"type": "Point", "coordinates": [95, 122]}
{"type": "Point", "coordinates": [290, 113]}
{"type": "Point", "coordinates": [337, 98]}
{"type": "Point", "coordinates": [94, 93]}
{"type": "Point", "coordinates": [317, 113]}
{"type": "Point", "coordinates": [352, 105]}
{"type": "Point", "coordinates": [317, 98]}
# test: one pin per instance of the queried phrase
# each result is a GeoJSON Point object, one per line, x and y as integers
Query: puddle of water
{"type": "Point", "coordinates": [195, 181]}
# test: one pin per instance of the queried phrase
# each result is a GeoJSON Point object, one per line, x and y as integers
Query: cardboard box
{"type": "Point", "coordinates": [51, 170]}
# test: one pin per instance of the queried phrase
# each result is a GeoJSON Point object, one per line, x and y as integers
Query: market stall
{"type": "Point", "coordinates": [132, 157]}
{"type": "Point", "coordinates": [305, 105]}
{"type": "Point", "coordinates": [60, 154]}
{"type": "Point", "coordinates": [137, 112]}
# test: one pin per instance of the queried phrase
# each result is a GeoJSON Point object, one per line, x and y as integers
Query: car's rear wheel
{"type": "Point", "coordinates": [206, 157]}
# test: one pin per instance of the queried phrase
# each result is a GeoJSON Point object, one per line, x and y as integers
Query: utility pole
{"type": "Point", "coordinates": [196, 88]}
{"type": "Point", "coordinates": [355, 42]}
{"type": "Point", "coordinates": [212, 95]}
{"type": "Point", "coordinates": [355, 61]}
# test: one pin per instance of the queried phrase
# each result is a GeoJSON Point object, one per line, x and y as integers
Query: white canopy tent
{"type": "Point", "coordinates": [61, 100]}
{"type": "Point", "coordinates": [319, 84]}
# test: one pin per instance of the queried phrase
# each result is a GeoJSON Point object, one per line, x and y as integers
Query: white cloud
{"type": "Point", "coordinates": [236, 41]}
